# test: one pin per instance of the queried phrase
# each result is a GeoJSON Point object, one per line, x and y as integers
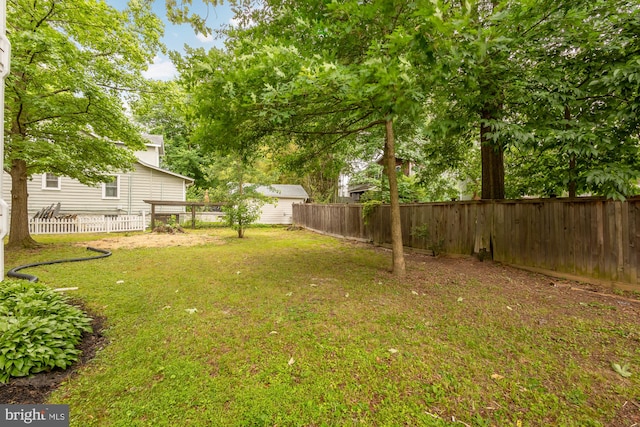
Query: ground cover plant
{"type": "Point", "coordinates": [39, 329]}
{"type": "Point", "coordinates": [292, 328]}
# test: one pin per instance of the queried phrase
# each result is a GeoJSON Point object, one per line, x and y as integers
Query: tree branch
{"type": "Point", "coordinates": [345, 132]}
{"type": "Point", "coordinates": [59, 116]}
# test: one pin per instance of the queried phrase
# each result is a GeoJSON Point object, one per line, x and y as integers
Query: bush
{"type": "Point", "coordinates": [39, 329]}
{"type": "Point", "coordinates": [434, 244]}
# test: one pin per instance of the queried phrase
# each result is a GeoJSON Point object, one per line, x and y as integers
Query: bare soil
{"type": "Point", "coordinates": [526, 287]}
{"type": "Point", "coordinates": [153, 240]}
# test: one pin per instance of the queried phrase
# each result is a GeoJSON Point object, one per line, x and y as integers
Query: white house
{"type": "Point", "coordinates": [123, 196]}
{"type": "Point", "coordinates": [281, 211]}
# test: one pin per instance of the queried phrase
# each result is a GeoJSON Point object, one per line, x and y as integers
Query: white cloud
{"type": "Point", "coordinates": [161, 69]}
{"type": "Point", "coordinates": [235, 22]}
{"type": "Point", "coordinates": [205, 39]}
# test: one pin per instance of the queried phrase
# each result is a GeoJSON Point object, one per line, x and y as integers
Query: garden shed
{"type": "Point", "coordinates": [281, 210]}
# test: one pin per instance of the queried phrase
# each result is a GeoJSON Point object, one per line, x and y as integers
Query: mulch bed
{"type": "Point", "coordinates": [36, 388]}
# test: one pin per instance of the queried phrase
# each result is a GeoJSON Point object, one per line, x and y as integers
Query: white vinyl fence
{"type": "Point", "coordinates": [88, 224]}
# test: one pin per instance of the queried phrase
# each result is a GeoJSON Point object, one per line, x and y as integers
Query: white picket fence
{"type": "Point", "coordinates": [88, 224]}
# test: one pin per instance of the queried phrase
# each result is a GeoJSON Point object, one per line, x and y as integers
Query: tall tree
{"type": "Point", "coordinates": [72, 63]}
{"type": "Point", "coordinates": [337, 74]}
{"type": "Point", "coordinates": [535, 78]}
{"type": "Point", "coordinates": [476, 71]}
{"type": "Point", "coordinates": [579, 95]}
{"type": "Point", "coordinates": [165, 109]}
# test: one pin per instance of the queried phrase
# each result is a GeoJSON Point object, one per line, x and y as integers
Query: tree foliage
{"type": "Point", "coordinates": [508, 97]}
{"type": "Point", "coordinates": [571, 110]}
{"type": "Point", "coordinates": [73, 63]}
{"type": "Point", "coordinates": [545, 69]}
{"type": "Point", "coordinates": [325, 76]}
{"type": "Point", "coordinates": [165, 109]}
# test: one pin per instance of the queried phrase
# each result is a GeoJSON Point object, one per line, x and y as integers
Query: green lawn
{"type": "Point", "coordinates": [290, 328]}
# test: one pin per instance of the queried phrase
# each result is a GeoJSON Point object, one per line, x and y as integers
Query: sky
{"type": "Point", "coordinates": [176, 36]}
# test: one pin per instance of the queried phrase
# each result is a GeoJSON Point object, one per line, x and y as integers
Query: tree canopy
{"type": "Point", "coordinates": [73, 65]}
{"type": "Point", "coordinates": [543, 95]}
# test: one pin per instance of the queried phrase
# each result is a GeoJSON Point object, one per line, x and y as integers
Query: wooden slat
{"type": "Point", "coordinates": [586, 236]}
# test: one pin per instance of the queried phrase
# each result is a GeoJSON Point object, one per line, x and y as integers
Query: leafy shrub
{"type": "Point", "coordinates": [39, 329]}
{"type": "Point", "coordinates": [368, 208]}
{"type": "Point", "coordinates": [434, 244]}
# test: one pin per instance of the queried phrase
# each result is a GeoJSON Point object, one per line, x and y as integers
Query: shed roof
{"type": "Point", "coordinates": [283, 191]}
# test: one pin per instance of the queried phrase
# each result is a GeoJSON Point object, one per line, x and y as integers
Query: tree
{"type": "Point", "coordinates": [242, 201]}
{"type": "Point", "coordinates": [333, 75]}
{"type": "Point", "coordinates": [72, 62]}
{"type": "Point", "coordinates": [327, 77]}
{"type": "Point", "coordinates": [165, 109]}
{"type": "Point", "coordinates": [533, 76]}
{"type": "Point", "coordinates": [583, 127]}
{"type": "Point", "coordinates": [474, 49]}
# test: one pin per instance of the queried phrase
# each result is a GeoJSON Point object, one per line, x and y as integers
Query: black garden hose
{"type": "Point", "coordinates": [14, 271]}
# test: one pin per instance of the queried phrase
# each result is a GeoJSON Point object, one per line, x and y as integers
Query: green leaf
{"type": "Point", "coordinates": [622, 370]}
{"type": "Point", "coordinates": [25, 348]}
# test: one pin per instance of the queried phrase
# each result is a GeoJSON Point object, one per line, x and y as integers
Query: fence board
{"type": "Point", "coordinates": [634, 247]}
{"type": "Point", "coordinates": [86, 224]}
{"type": "Point", "coordinates": [588, 237]}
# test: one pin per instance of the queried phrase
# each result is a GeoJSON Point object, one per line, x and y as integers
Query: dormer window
{"type": "Point", "coordinates": [51, 182]}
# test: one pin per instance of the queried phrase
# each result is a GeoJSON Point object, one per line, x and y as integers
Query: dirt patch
{"type": "Point", "coordinates": [154, 240]}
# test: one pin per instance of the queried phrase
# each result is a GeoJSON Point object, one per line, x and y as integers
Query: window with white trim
{"type": "Point", "coordinates": [50, 182]}
{"type": "Point", "coordinates": [111, 189]}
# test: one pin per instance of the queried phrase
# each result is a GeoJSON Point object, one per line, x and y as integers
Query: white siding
{"type": "Point", "coordinates": [280, 213]}
{"type": "Point", "coordinates": [142, 183]}
{"type": "Point", "coordinates": [151, 184]}
{"type": "Point", "coordinates": [150, 155]}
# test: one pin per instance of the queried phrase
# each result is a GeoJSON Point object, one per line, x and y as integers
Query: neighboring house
{"type": "Point", "coordinates": [124, 195]}
{"type": "Point", "coordinates": [285, 195]}
{"type": "Point", "coordinates": [402, 166]}
{"type": "Point", "coordinates": [354, 192]}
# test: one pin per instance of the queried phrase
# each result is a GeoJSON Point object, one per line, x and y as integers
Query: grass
{"type": "Point", "coordinates": [293, 328]}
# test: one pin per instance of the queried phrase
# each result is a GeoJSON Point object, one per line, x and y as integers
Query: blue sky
{"type": "Point", "coordinates": [176, 36]}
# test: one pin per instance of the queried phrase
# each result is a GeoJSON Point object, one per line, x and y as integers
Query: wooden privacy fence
{"type": "Point", "coordinates": [88, 224]}
{"type": "Point", "coordinates": [585, 237]}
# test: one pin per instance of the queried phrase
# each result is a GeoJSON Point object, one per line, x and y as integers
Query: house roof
{"type": "Point", "coordinates": [155, 168]}
{"type": "Point", "coordinates": [151, 141]}
{"type": "Point", "coordinates": [283, 191]}
{"type": "Point", "coordinates": [155, 141]}
{"type": "Point", "coordinates": [361, 188]}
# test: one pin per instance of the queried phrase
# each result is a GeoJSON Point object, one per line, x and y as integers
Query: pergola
{"type": "Point", "coordinates": [192, 205]}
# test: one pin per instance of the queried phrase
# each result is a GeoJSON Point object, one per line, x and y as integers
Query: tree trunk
{"type": "Point", "coordinates": [399, 267]}
{"type": "Point", "coordinates": [572, 158]}
{"type": "Point", "coordinates": [241, 202]}
{"type": "Point", "coordinates": [492, 160]}
{"type": "Point", "coordinates": [19, 236]}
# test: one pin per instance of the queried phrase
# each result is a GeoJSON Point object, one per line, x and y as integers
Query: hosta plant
{"type": "Point", "coordinates": [39, 329]}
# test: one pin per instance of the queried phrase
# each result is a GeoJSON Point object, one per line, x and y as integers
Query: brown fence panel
{"type": "Point", "coordinates": [587, 237]}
